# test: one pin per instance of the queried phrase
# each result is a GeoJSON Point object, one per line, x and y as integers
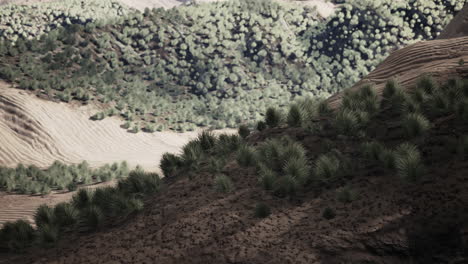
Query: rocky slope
{"type": "Point", "coordinates": [389, 222]}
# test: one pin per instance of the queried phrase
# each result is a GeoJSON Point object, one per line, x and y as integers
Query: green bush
{"type": "Point", "coordinates": [91, 218]}
{"type": "Point", "coordinates": [346, 195]}
{"type": "Point", "coordinates": [244, 131]}
{"type": "Point", "coordinates": [246, 156]}
{"type": "Point", "coordinates": [416, 125]}
{"type": "Point", "coordinates": [296, 116]}
{"type": "Point", "coordinates": [170, 163]}
{"type": "Point", "coordinates": [328, 213]}
{"type": "Point", "coordinates": [273, 117]}
{"type": "Point", "coordinates": [82, 198]}
{"type": "Point", "coordinates": [140, 182]}
{"type": "Point", "coordinates": [327, 167]}
{"type": "Point", "coordinates": [408, 162]}
{"type": "Point", "coordinates": [16, 236]}
{"type": "Point", "coordinates": [48, 235]}
{"type": "Point", "coordinates": [223, 184]}
{"type": "Point", "coordinates": [262, 210]}
{"type": "Point", "coordinates": [66, 214]}
{"type": "Point", "coordinates": [44, 216]}
{"type": "Point", "coordinates": [261, 125]}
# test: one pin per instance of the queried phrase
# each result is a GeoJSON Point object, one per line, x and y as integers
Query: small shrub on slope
{"type": "Point", "coordinates": [416, 125]}
{"type": "Point", "coordinates": [44, 216]}
{"type": "Point", "coordinates": [327, 167]}
{"type": "Point", "coordinates": [16, 236]}
{"type": "Point", "coordinates": [246, 156]}
{"type": "Point", "coordinates": [170, 163]}
{"type": "Point", "coordinates": [273, 117]}
{"type": "Point", "coordinates": [65, 214]}
{"type": "Point", "coordinates": [244, 131]}
{"type": "Point", "coordinates": [408, 162]}
{"type": "Point", "coordinates": [223, 184]}
{"type": "Point", "coordinates": [262, 210]}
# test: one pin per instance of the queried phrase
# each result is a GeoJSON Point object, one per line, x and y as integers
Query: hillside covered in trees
{"type": "Point", "coordinates": [218, 64]}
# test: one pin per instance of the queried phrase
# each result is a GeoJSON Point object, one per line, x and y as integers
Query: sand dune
{"type": "Point", "coordinates": [36, 131]}
{"type": "Point", "coordinates": [439, 58]}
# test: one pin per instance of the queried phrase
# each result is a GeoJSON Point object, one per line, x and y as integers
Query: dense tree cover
{"type": "Point", "coordinates": [31, 21]}
{"type": "Point", "coordinates": [218, 64]}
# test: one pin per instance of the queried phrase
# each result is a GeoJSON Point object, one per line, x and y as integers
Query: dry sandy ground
{"type": "Point", "coordinates": [38, 132]}
{"type": "Point", "coordinates": [439, 58]}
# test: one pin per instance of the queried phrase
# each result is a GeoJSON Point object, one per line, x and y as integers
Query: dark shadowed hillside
{"type": "Point", "coordinates": [379, 179]}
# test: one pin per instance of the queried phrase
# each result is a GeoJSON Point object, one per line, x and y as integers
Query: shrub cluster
{"type": "Point", "coordinates": [88, 210]}
{"type": "Point", "coordinates": [32, 180]}
{"type": "Point", "coordinates": [218, 64]}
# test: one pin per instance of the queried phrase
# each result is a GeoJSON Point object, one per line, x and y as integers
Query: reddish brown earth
{"type": "Point", "coordinates": [390, 222]}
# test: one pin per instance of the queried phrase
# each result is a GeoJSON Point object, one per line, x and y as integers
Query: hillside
{"type": "Point", "coordinates": [381, 179]}
{"type": "Point", "coordinates": [222, 63]}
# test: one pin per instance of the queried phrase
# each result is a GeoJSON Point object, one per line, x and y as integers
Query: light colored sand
{"type": "Point", "coordinates": [36, 131]}
{"type": "Point", "coordinates": [439, 58]}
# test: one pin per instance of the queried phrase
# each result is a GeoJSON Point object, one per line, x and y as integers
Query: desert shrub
{"type": "Point", "coordinates": [323, 108]}
{"type": "Point", "coordinates": [285, 186]}
{"type": "Point", "coordinates": [282, 158]}
{"type": "Point", "coordinates": [227, 144]}
{"type": "Point", "coordinates": [72, 186]}
{"type": "Point", "coordinates": [261, 125]}
{"type": "Point", "coordinates": [296, 116]}
{"type": "Point", "coordinates": [223, 184]}
{"type": "Point", "coordinates": [48, 235]}
{"type": "Point", "coordinates": [140, 182]}
{"type": "Point", "coordinates": [244, 131]}
{"type": "Point", "coordinates": [415, 125]}
{"type": "Point", "coordinates": [16, 236]}
{"type": "Point", "coordinates": [267, 177]}
{"type": "Point", "coordinates": [408, 162]}
{"type": "Point", "coordinates": [206, 140]}
{"type": "Point", "coordinates": [82, 198]}
{"type": "Point", "coordinates": [91, 218]}
{"type": "Point", "coordinates": [65, 214]}
{"type": "Point", "coordinates": [192, 154]}
{"type": "Point", "coordinates": [346, 195]}
{"type": "Point", "coordinates": [273, 117]}
{"type": "Point", "coordinates": [327, 167]}
{"type": "Point", "coordinates": [372, 150]}
{"type": "Point", "coordinates": [347, 122]}
{"type": "Point", "coordinates": [392, 88]}
{"type": "Point", "coordinates": [44, 216]}
{"type": "Point", "coordinates": [328, 213]}
{"type": "Point", "coordinates": [98, 116]}
{"type": "Point", "coordinates": [170, 163]}
{"type": "Point", "coordinates": [427, 84]}
{"type": "Point", "coordinates": [262, 210]}
{"type": "Point", "coordinates": [246, 156]}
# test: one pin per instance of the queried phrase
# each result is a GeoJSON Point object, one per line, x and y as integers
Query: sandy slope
{"type": "Point", "coordinates": [440, 58]}
{"type": "Point", "coordinates": [36, 131]}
